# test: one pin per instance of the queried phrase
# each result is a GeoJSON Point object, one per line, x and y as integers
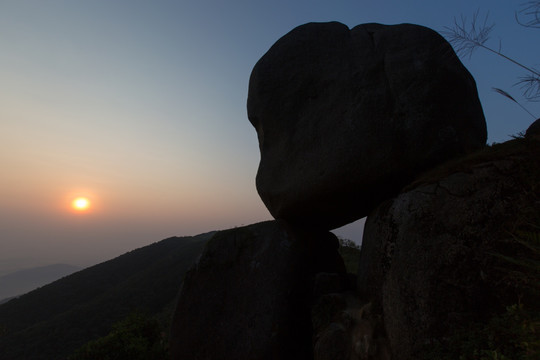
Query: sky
{"type": "Point", "coordinates": [140, 106]}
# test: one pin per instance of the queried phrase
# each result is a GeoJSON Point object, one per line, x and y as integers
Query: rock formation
{"type": "Point", "coordinates": [249, 295]}
{"type": "Point", "coordinates": [349, 123]}
{"type": "Point", "coordinates": [345, 118]}
{"type": "Point", "coordinates": [343, 327]}
{"type": "Point", "coordinates": [439, 256]}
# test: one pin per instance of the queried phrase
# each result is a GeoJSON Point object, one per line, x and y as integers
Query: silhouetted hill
{"type": "Point", "coordinates": [23, 281]}
{"type": "Point", "coordinates": [6, 299]}
{"type": "Point", "coordinates": [52, 321]}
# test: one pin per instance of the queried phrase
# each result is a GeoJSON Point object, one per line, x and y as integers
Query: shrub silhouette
{"type": "Point", "coordinates": [466, 38]}
{"type": "Point", "coordinates": [137, 337]}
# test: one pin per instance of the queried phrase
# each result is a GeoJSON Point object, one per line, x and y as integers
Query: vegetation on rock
{"type": "Point", "coordinates": [466, 38]}
{"type": "Point", "coordinates": [513, 333]}
{"type": "Point", "coordinates": [137, 337]}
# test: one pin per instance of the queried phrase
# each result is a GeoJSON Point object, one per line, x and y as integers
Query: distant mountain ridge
{"type": "Point", "coordinates": [54, 320]}
{"type": "Point", "coordinates": [23, 281]}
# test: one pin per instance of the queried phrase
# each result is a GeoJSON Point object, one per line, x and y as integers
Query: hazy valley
{"type": "Point", "coordinates": [22, 281]}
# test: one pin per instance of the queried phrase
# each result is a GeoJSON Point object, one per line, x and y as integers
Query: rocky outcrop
{"type": "Point", "coordinates": [345, 118]}
{"type": "Point", "coordinates": [249, 295]}
{"type": "Point", "coordinates": [344, 328]}
{"type": "Point", "coordinates": [533, 132]}
{"type": "Point", "coordinates": [445, 252]}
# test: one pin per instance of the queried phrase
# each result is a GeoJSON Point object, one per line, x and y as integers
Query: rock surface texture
{"type": "Point", "coordinates": [249, 295]}
{"type": "Point", "coordinates": [345, 118]}
{"type": "Point", "coordinates": [436, 257]}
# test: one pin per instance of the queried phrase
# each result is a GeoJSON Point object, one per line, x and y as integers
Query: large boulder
{"type": "Point", "coordinates": [448, 251]}
{"type": "Point", "coordinates": [249, 295]}
{"type": "Point", "coordinates": [345, 118]}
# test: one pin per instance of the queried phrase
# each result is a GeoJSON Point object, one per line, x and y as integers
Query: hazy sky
{"type": "Point", "coordinates": [141, 107]}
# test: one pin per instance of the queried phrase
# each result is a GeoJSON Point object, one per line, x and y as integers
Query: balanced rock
{"type": "Point", "coordinates": [249, 295]}
{"type": "Point", "coordinates": [345, 118]}
{"type": "Point", "coordinates": [444, 254]}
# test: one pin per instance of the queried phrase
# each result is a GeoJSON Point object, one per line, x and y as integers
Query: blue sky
{"type": "Point", "coordinates": [141, 106]}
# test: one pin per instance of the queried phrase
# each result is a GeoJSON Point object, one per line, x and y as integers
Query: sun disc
{"type": "Point", "coordinates": [80, 204]}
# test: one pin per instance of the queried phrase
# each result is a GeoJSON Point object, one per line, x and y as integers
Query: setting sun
{"type": "Point", "coordinates": [80, 204]}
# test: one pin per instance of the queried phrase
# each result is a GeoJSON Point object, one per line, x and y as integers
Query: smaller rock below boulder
{"type": "Point", "coordinates": [249, 295]}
